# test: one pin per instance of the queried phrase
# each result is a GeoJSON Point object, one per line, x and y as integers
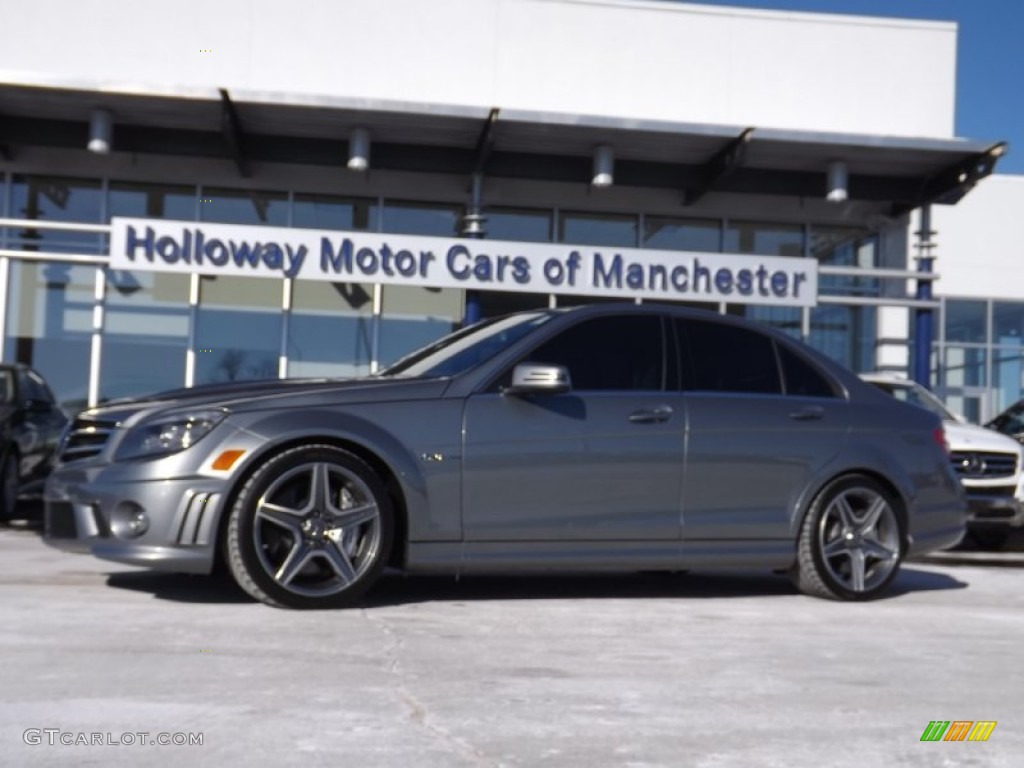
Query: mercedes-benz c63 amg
{"type": "Point", "coordinates": [602, 438]}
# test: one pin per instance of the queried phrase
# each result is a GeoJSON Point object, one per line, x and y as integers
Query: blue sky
{"type": "Point", "coordinates": [990, 58]}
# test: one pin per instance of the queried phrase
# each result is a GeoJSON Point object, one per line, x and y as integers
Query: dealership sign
{"type": "Point", "coordinates": [482, 265]}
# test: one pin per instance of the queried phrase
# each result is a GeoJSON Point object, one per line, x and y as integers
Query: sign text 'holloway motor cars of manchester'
{"type": "Point", "coordinates": [229, 249]}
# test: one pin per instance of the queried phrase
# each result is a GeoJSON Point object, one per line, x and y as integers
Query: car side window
{"type": "Point", "coordinates": [609, 353]}
{"type": "Point", "coordinates": [801, 378]}
{"type": "Point", "coordinates": [727, 358]}
{"type": "Point", "coordinates": [34, 388]}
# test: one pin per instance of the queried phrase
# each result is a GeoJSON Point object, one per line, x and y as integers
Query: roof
{"type": "Point", "coordinates": [694, 158]}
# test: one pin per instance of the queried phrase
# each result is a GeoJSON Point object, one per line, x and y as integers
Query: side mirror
{"type": "Point", "coordinates": [537, 378]}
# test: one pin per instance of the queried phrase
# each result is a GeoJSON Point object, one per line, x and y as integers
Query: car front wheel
{"type": "Point", "coordinates": [311, 528]}
{"type": "Point", "coordinates": [850, 541]}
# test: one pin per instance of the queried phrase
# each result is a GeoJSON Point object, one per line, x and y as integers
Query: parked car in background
{"type": "Point", "coordinates": [31, 424]}
{"type": "Point", "coordinates": [1010, 422]}
{"type": "Point", "coordinates": [612, 437]}
{"type": "Point", "coordinates": [990, 465]}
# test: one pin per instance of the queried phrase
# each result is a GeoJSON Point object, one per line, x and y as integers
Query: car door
{"type": "Point", "coordinates": [600, 462]}
{"type": "Point", "coordinates": [763, 421]}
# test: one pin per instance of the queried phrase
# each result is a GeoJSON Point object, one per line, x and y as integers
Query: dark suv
{"type": "Point", "coordinates": [31, 424]}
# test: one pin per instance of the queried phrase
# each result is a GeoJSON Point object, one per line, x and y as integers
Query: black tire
{"type": "Point", "coordinates": [852, 527]}
{"type": "Point", "coordinates": [290, 544]}
{"type": "Point", "coordinates": [992, 539]}
{"type": "Point", "coordinates": [8, 486]}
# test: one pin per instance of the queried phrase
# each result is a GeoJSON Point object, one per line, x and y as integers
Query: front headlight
{"type": "Point", "coordinates": [169, 433]}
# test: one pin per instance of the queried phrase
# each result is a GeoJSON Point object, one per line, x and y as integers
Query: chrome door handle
{"type": "Point", "coordinates": [810, 413]}
{"type": "Point", "coordinates": [653, 416]}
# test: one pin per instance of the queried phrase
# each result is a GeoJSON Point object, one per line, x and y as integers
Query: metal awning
{"type": "Point", "coordinates": [900, 172]}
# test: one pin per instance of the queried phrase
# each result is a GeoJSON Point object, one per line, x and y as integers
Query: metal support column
{"type": "Point", "coordinates": [924, 316]}
{"type": "Point", "coordinates": [473, 226]}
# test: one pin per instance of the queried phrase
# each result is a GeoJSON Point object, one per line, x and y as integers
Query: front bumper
{"type": "Point", "coordinates": [179, 518]}
{"type": "Point", "coordinates": [990, 508]}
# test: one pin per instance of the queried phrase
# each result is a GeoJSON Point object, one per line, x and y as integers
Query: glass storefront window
{"type": "Point", "coordinates": [845, 247]}
{"type": "Point", "coordinates": [682, 234]}
{"type": "Point", "coordinates": [964, 367]}
{"type": "Point", "coordinates": [1007, 322]}
{"type": "Point", "coordinates": [524, 225]}
{"type": "Point", "coordinates": [326, 212]}
{"type": "Point", "coordinates": [243, 206]}
{"type": "Point", "coordinates": [965, 321]}
{"type": "Point", "coordinates": [49, 325]}
{"type": "Point", "coordinates": [763, 238]}
{"type": "Point", "coordinates": [1007, 375]}
{"type": "Point", "coordinates": [238, 328]}
{"type": "Point", "coordinates": [787, 319]}
{"type": "Point", "coordinates": [146, 329]}
{"type": "Point", "coordinates": [51, 198]}
{"type": "Point", "coordinates": [413, 317]}
{"type": "Point", "coordinates": [846, 334]}
{"type": "Point", "coordinates": [330, 330]}
{"type": "Point", "coordinates": [597, 229]}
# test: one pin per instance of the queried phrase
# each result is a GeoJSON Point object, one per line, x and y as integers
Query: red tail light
{"type": "Point", "coordinates": [939, 435]}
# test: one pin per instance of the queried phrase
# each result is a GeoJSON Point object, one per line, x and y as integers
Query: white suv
{"type": "Point", "coordinates": [990, 465]}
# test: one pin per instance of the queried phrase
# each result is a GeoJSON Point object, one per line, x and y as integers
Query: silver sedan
{"type": "Point", "coordinates": [603, 438]}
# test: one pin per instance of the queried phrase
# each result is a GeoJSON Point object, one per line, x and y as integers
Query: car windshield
{"type": "Point", "coordinates": [917, 395]}
{"type": "Point", "coordinates": [1010, 421]}
{"type": "Point", "coordinates": [467, 348]}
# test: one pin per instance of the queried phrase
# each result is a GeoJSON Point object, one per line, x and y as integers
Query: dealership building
{"type": "Point", "coordinates": [204, 192]}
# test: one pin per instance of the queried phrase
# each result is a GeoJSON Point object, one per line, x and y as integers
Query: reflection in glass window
{"type": "Point", "coordinates": [326, 212]}
{"type": "Point", "coordinates": [965, 321]}
{"type": "Point", "coordinates": [964, 367]}
{"type": "Point", "coordinates": [49, 325]}
{"type": "Point", "coordinates": [597, 229]}
{"type": "Point", "coordinates": [330, 330]}
{"type": "Point", "coordinates": [1007, 322]}
{"type": "Point", "coordinates": [243, 206]}
{"type": "Point", "coordinates": [1008, 374]}
{"type": "Point", "coordinates": [764, 238]}
{"type": "Point", "coordinates": [787, 319]}
{"type": "Point", "coordinates": [413, 316]}
{"type": "Point", "coordinates": [682, 234]}
{"type": "Point", "coordinates": [145, 337]}
{"type": "Point", "coordinates": [238, 331]}
{"type": "Point", "coordinates": [51, 198]}
{"type": "Point", "coordinates": [845, 334]}
{"type": "Point", "coordinates": [846, 247]}
{"type": "Point", "coordinates": [526, 225]}
{"type": "Point", "coordinates": [146, 329]}
{"type": "Point", "coordinates": [152, 201]}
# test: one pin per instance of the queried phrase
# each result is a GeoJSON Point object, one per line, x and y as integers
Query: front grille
{"type": "Point", "coordinates": [978, 465]}
{"type": "Point", "coordinates": [59, 520]}
{"type": "Point", "coordinates": [994, 491]}
{"type": "Point", "coordinates": [85, 438]}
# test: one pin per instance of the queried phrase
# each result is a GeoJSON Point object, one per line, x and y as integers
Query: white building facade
{"type": "Point", "coordinates": [757, 163]}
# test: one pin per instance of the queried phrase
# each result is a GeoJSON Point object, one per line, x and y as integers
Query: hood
{"type": "Point", "coordinates": [971, 437]}
{"type": "Point", "coordinates": [273, 393]}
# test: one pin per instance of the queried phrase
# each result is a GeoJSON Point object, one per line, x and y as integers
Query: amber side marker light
{"type": "Point", "coordinates": [226, 460]}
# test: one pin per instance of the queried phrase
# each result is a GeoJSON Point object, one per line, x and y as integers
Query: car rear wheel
{"type": "Point", "coordinates": [311, 528]}
{"type": "Point", "coordinates": [8, 487]}
{"type": "Point", "coordinates": [850, 542]}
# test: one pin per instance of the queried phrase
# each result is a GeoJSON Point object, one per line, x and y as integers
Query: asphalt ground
{"type": "Point", "coordinates": [701, 669]}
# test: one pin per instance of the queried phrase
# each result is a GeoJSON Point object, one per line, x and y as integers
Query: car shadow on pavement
{"type": "Point", "coordinates": [398, 589]}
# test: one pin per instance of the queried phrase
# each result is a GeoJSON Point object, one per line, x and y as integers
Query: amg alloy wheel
{"type": "Point", "coordinates": [850, 543]}
{"type": "Point", "coordinates": [311, 528]}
